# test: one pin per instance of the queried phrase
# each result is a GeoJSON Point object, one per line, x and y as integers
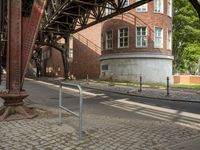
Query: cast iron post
{"type": "Point", "coordinates": [19, 47]}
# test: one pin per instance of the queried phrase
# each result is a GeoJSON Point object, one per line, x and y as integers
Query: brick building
{"type": "Point", "coordinates": [84, 57]}
{"type": "Point", "coordinates": [137, 43]}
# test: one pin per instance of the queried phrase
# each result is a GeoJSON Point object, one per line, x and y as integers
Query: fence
{"type": "Point", "coordinates": [187, 79]}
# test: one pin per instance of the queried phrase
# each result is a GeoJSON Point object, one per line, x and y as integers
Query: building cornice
{"type": "Point", "coordinates": [139, 55]}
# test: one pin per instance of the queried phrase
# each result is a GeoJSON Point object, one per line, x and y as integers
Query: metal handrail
{"type": "Point", "coordinates": [68, 110]}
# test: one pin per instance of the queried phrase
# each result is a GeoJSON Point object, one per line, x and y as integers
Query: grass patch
{"type": "Point", "coordinates": [156, 86]}
{"type": "Point", "coordinates": [145, 85]}
{"type": "Point", "coordinates": [187, 86]}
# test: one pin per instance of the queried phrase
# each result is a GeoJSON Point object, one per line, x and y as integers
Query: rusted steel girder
{"type": "Point", "coordinates": [19, 46]}
{"type": "Point", "coordinates": [30, 34]}
{"type": "Point", "coordinates": [52, 40]}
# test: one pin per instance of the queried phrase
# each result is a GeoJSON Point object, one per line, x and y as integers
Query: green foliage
{"type": "Point", "coordinates": [186, 36]}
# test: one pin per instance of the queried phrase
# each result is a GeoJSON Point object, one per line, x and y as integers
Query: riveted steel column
{"type": "Point", "coordinates": [1, 29]}
{"type": "Point", "coordinates": [65, 57]}
{"type": "Point", "coordinates": [30, 33]}
{"type": "Point", "coordinates": [13, 100]}
{"type": "Point", "coordinates": [14, 46]}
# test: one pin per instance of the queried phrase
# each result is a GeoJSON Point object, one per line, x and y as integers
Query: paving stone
{"type": "Point", "coordinates": [103, 132]}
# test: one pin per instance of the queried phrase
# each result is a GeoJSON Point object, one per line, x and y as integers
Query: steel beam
{"type": "Point", "coordinates": [116, 13]}
{"type": "Point", "coordinates": [82, 14]}
{"type": "Point", "coordinates": [30, 34]}
{"type": "Point", "coordinates": [14, 46]}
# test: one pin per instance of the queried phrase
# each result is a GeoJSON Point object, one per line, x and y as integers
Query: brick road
{"type": "Point", "coordinates": [101, 133]}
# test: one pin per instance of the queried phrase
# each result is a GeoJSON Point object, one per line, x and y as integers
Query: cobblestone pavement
{"type": "Point", "coordinates": [101, 133]}
{"type": "Point", "coordinates": [176, 95]}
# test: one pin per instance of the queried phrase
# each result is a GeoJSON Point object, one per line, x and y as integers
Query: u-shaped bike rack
{"type": "Point", "coordinates": [61, 107]}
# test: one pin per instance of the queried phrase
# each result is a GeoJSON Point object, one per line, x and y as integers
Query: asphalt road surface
{"type": "Point", "coordinates": [115, 105]}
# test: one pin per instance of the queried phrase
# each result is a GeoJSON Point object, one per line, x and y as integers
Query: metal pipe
{"type": "Point", "coordinates": [75, 114]}
{"type": "Point", "coordinates": [80, 115]}
{"type": "Point", "coordinates": [60, 104]}
{"type": "Point", "coordinates": [87, 79]}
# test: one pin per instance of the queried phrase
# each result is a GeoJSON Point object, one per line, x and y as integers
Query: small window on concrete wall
{"type": "Point", "coordinates": [104, 67]}
{"type": "Point", "coordinates": [141, 37]}
{"type": "Point", "coordinates": [109, 39]}
{"type": "Point", "coordinates": [123, 37]}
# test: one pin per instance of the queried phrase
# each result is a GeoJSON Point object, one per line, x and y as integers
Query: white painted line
{"type": "Point", "coordinates": [116, 106]}
{"type": "Point", "coordinates": [156, 114]}
{"type": "Point", "coordinates": [66, 88]}
{"type": "Point", "coordinates": [197, 127]}
{"type": "Point", "coordinates": [182, 118]}
{"type": "Point", "coordinates": [152, 116]}
{"type": "Point", "coordinates": [167, 110]}
{"type": "Point", "coordinates": [147, 106]}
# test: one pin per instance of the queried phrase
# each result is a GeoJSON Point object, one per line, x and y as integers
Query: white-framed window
{"type": "Point", "coordinates": [141, 37]}
{"type": "Point", "coordinates": [123, 41]}
{"type": "Point", "coordinates": [108, 9]}
{"type": "Point", "coordinates": [158, 37]}
{"type": "Point", "coordinates": [143, 8]}
{"type": "Point", "coordinates": [126, 3]}
{"type": "Point", "coordinates": [109, 39]}
{"type": "Point", "coordinates": [169, 8]}
{"type": "Point", "coordinates": [169, 39]}
{"type": "Point", "coordinates": [158, 6]}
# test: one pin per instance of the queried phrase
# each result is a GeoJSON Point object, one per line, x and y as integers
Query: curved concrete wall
{"type": "Point", "coordinates": [129, 67]}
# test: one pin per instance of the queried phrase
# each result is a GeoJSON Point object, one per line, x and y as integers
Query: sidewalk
{"type": "Point", "coordinates": [101, 133]}
{"type": "Point", "coordinates": [161, 94]}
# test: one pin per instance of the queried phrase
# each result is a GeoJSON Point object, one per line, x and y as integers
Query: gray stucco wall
{"type": "Point", "coordinates": [153, 68]}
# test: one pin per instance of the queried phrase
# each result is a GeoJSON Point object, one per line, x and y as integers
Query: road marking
{"type": "Point", "coordinates": [50, 85]}
{"type": "Point", "coordinates": [179, 117]}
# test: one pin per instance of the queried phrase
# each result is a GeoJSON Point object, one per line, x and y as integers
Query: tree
{"type": "Point", "coordinates": [186, 35]}
{"type": "Point", "coordinates": [196, 5]}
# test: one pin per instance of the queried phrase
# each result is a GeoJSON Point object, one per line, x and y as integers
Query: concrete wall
{"type": "Point", "coordinates": [186, 79]}
{"type": "Point", "coordinates": [130, 66]}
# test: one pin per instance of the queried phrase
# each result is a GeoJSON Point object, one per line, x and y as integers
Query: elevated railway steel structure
{"type": "Point", "coordinates": [24, 23]}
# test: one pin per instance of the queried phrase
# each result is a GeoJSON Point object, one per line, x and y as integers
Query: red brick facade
{"type": "Point", "coordinates": [133, 19]}
{"type": "Point", "coordinates": [86, 53]}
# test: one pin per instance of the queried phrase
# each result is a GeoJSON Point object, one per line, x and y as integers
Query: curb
{"type": "Point", "coordinates": [143, 96]}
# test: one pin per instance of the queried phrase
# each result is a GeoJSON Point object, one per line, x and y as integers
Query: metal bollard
{"type": "Point", "coordinates": [167, 86]}
{"type": "Point", "coordinates": [87, 80]}
{"type": "Point", "coordinates": [140, 90]}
